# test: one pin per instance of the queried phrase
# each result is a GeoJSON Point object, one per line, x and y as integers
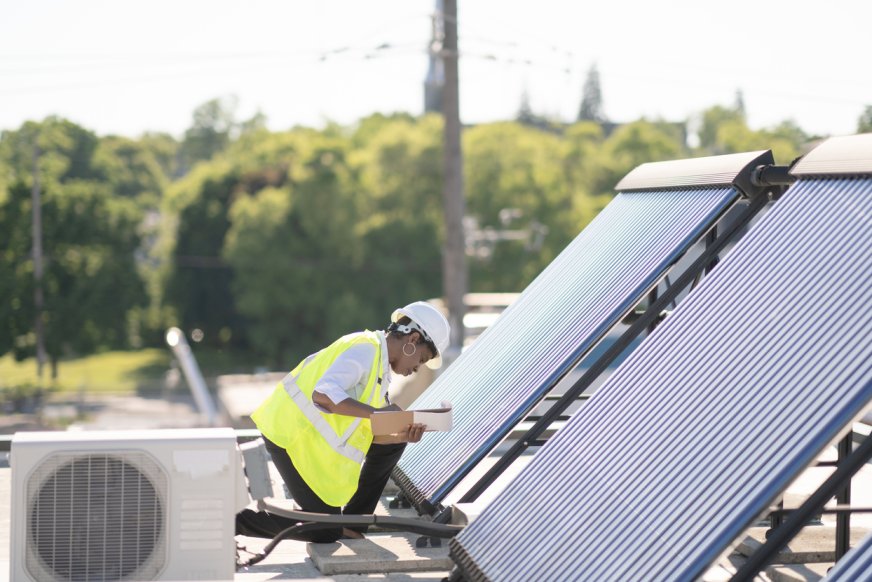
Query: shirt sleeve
{"type": "Point", "coordinates": [345, 373]}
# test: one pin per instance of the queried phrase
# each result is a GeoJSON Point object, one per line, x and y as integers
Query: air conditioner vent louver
{"type": "Point", "coordinates": [96, 517]}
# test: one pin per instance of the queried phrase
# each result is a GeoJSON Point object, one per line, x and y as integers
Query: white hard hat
{"type": "Point", "coordinates": [433, 325]}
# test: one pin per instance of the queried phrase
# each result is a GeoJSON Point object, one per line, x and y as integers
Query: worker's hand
{"type": "Point", "coordinates": [413, 433]}
{"type": "Point", "coordinates": [390, 408]}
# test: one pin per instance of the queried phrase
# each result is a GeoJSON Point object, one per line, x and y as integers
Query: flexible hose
{"type": "Point", "coordinates": [440, 530]}
{"type": "Point", "coordinates": [317, 521]}
{"type": "Point", "coordinates": [292, 532]}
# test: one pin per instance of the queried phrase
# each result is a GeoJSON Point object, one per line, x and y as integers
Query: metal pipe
{"type": "Point", "coordinates": [176, 340]}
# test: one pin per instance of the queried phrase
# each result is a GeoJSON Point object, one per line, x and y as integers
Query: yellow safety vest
{"type": "Point", "coordinates": [326, 449]}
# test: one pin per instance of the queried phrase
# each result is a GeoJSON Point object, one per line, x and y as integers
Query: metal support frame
{"type": "Point", "coordinates": [710, 238]}
{"type": "Point", "coordinates": [652, 314]}
{"type": "Point", "coordinates": [652, 299]}
{"type": "Point", "coordinates": [833, 509]}
{"type": "Point", "coordinates": [400, 501]}
{"type": "Point", "coordinates": [831, 487]}
{"type": "Point", "coordinates": [843, 497]}
{"type": "Point", "coordinates": [564, 417]}
{"type": "Point", "coordinates": [843, 510]}
{"type": "Point", "coordinates": [776, 518]}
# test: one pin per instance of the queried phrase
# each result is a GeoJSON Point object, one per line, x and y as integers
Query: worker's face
{"type": "Point", "coordinates": [408, 360]}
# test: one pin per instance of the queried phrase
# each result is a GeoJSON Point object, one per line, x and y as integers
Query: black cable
{"type": "Point", "coordinates": [310, 522]}
{"type": "Point", "coordinates": [293, 532]}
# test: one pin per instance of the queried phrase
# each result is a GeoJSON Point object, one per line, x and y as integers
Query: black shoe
{"type": "Point", "coordinates": [248, 523]}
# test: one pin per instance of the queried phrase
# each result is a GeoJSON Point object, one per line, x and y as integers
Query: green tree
{"type": "Point", "coordinates": [196, 279]}
{"type": "Point", "coordinates": [137, 170]}
{"type": "Point", "coordinates": [131, 170]}
{"type": "Point", "coordinates": [351, 232]}
{"type": "Point", "coordinates": [518, 195]}
{"type": "Point", "coordinates": [398, 164]}
{"type": "Point", "coordinates": [89, 237]}
{"type": "Point", "coordinates": [92, 282]}
{"type": "Point", "coordinates": [864, 122]}
{"type": "Point", "coordinates": [164, 149]}
{"type": "Point", "coordinates": [65, 151]}
{"type": "Point", "coordinates": [712, 119]}
{"type": "Point", "coordinates": [631, 145]}
{"type": "Point", "coordinates": [591, 108]}
{"type": "Point", "coordinates": [785, 140]}
{"type": "Point", "coordinates": [16, 273]}
{"type": "Point", "coordinates": [256, 124]}
{"type": "Point", "coordinates": [584, 141]}
{"type": "Point", "coordinates": [292, 246]}
{"type": "Point", "coordinates": [212, 129]}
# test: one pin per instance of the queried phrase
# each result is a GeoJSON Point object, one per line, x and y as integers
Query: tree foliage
{"type": "Point", "coordinates": [713, 120]}
{"type": "Point", "coordinates": [131, 170]}
{"type": "Point", "coordinates": [277, 242]}
{"type": "Point", "coordinates": [516, 187]}
{"type": "Point", "coordinates": [89, 237]}
{"type": "Point", "coordinates": [197, 281]}
{"type": "Point", "coordinates": [591, 108]}
{"type": "Point", "coordinates": [210, 133]}
{"type": "Point", "coordinates": [725, 131]}
{"type": "Point", "coordinates": [864, 123]}
{"type": "Point", "coordinates": [358, 231]}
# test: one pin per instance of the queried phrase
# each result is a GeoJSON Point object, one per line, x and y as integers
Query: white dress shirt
{"type": "Point", "coordinates": [349, 373]}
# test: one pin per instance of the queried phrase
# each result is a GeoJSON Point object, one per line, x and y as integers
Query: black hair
{"type": "Point", "coordinates": [406, 320]}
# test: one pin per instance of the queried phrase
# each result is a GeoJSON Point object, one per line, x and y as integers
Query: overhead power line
{"type": "Point", "coordinates": [119, 73]}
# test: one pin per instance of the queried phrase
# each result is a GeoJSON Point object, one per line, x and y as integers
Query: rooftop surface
{"type": "Point", "coordinates": [394, 553]}
{"type": "Point", "coordinates": [388, 551]}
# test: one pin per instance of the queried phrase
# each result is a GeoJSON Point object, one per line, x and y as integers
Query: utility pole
{"type": "Point", "coordinates": [36, 202]}
{"type": "Point", "coordinates": [434, 83]}
{"type": "Point", "coordinates": [454, 273]}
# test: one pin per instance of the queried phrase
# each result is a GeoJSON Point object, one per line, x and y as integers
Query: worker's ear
{"type": "Point", "coordinates": [415, 337]}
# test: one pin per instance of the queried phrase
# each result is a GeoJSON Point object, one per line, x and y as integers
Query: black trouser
{"type": "Point", "coordinates": [380, 461]}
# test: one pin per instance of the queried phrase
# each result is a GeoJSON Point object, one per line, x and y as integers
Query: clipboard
{"type": "Point", "coordinates": [395, 421]}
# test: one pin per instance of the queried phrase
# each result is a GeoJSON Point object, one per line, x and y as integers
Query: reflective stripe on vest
{"type": "Point", "coordinates": [308, 408]}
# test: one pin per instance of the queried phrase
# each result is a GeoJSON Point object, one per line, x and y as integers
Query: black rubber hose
{"type": "Point", "coordinates": [317, 521]}
{"type": "Point", "coordinates": [292, 532]}
{"type": "Point", "coordinates": [423, 527]}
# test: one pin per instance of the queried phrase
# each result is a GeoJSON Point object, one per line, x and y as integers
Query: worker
{"type": "Point", "coordinates": [316, 422]}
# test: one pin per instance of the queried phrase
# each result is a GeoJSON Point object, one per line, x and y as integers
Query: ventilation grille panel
{"type": "Point", "coordinates": [96, 517]}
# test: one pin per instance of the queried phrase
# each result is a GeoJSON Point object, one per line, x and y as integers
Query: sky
{"type": "Point", "coordinates": [129, 66]}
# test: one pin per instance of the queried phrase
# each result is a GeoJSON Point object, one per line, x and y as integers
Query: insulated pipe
{"type": "Point", "coordinates": [296, 531]}
{"type": "Point", "coordinates": [419, 526]}
{"type": "Point", "coordinates": [176, 340]}
{"type": "Point", "coordinates": [769, 175]}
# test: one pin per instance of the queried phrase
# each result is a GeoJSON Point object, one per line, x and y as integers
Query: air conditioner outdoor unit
{"type": "Point", "coordinates": [125, 505]}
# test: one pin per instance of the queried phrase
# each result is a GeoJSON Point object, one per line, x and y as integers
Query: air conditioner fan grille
{"type": "Point", "coordinates": [96, 517]}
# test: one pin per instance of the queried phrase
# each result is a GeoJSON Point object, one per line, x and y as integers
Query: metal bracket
{"type": "Point", "coordinates": [255, 460]}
